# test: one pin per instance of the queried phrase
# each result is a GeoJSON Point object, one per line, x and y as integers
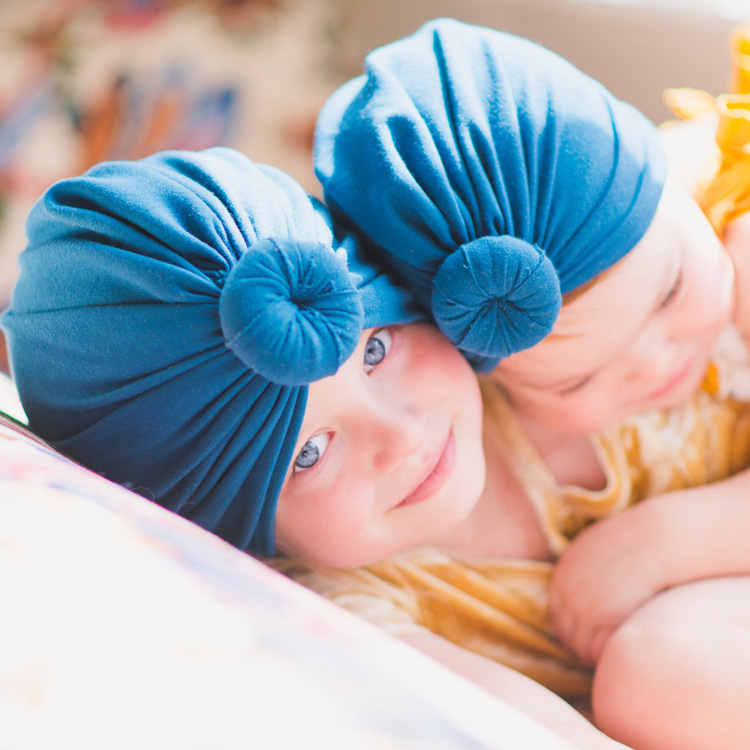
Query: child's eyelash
{"type": "Point", "coordinates": [673, 292]}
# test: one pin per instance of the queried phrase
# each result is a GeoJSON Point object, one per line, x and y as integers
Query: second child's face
{"type": "Point", "coordinates": [640, 337]}
{"type": "Point", "coordinates": [390, 453]}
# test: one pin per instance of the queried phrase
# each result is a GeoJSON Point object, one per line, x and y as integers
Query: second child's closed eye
{"type": "Point", "coordinates": [673, 292]}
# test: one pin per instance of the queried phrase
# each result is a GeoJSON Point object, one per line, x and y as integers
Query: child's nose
{"type": "Point", "coordinates": [397, 434]}
{"type": "Point", "coordinates": [652, 356]}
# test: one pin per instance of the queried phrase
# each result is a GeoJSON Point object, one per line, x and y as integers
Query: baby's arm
{"type": "Point", "coordinates": [516, 690]}
{"type": "Point", "coordinates": [677, 673]}
{"type": "Point", "coordinates": [619, 563]}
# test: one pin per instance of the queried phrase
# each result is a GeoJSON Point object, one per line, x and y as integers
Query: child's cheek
{"type": "Point", "coordinates": [737, 237]}
{"type": "Point", "coordinates": [737, 243]}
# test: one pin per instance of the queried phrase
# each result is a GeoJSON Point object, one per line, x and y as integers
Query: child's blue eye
{"type": "Point", "coordinates": [312, 451]}
{"type": "Point", "coordinates": [376, 349]}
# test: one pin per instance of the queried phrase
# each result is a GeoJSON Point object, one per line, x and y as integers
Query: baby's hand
{"type": "Point", "coordinates": [609, 570]}
{"type": "Point", "coordinates": [737, 242]}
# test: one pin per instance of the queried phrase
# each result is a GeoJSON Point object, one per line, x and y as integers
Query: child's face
{"type": "Point", "coordinates": [390, 453]}
{"type": "Point", "coordinates": [640, 337]}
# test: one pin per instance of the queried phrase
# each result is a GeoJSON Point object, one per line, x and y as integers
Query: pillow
{"type": "Point", "coordinates": [10, 404]}
{"type": "Point", "coordinates": [125, 625]}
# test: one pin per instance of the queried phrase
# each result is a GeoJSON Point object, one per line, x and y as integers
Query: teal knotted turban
{"type": "Point", "coordinates": [490, 175]}
{"type": "Point", "coordinates": [169, 315]}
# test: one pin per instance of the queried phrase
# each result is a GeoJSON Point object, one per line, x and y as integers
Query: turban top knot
{"type": "Point", "coordinates": [490, 175]}
{"type": "Point", "coordinates": [168, 318]}
{"type": "Point", "coordinates": [291, 311]}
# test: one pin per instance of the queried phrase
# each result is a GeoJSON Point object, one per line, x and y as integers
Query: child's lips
{"type": "Point", "coordinates": [440, 467]}
{"type": "Point", "coordinates": [672, 381]}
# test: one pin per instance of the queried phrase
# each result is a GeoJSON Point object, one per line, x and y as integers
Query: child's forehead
{"type": "Point", "coordinates": [324, 395]}
{"type": "Point", "coordinates": [618, 288]}
{"type": "Point", "coordinates": [593, 328]}
{"type": "Point", "coordinates": [629, 290]}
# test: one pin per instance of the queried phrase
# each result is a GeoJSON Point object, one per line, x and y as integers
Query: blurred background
{"type": "Point", "coordinates": [83, 81]}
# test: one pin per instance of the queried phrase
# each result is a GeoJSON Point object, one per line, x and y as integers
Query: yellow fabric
{"type": "Point", "coordinates": [724, 190]}
{"type": "Point", "coordinates": [498, 608]}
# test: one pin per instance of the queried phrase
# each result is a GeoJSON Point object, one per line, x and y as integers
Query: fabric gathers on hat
{"type": "Point", "coordinates": [169, 315]}
{"type": "Point", "coordinates": [491, 175]}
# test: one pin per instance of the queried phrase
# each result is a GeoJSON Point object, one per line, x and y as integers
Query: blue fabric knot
{"type": "Point", "coordinates": [291, 311]}
{"type": "Point", "coordinates": [496, 295]}
{"type": "Point", "coordinates": [136, 276]}
{"type": "Point", "coordinates": [459, 132]}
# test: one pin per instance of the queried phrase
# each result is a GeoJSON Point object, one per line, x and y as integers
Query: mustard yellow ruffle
{"type": "Point", "coordinates": [499, 608]}
{"type": "Point", "coordinates": [740, 49]}
{"type": "Point", "coordinates": [724, 190]}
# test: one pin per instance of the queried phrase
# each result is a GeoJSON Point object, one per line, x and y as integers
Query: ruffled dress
{"type": "Point", "coordinates": [499, 608]}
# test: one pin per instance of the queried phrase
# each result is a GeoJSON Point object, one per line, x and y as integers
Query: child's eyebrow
{"type": "Point", "coordinates": [307, 429]}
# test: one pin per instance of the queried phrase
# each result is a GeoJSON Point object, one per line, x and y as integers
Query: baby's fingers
{"type": "Point", "coordinates": [575, 635]}
{"type": "Point", "coordinates": [580, 626]}
{"type": "Point", "coordinates": [596, 644]}
{"type": "Point", "coordinates": [567, 625]}
{"type": "Point", "coordinates": [586, 642]}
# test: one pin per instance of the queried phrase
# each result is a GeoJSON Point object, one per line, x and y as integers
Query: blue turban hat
{"type": "Point", "coordinates": [491, 175]}
{"type": "Point", "coordinates": [168, 317]}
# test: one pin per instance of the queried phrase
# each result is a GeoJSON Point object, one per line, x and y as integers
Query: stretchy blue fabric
{"type": "Point", "coordinates": [490, 175]}
{"type": "Point", "coordinates": [169, 315]}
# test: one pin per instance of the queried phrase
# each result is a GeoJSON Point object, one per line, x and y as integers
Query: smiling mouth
{"type": "Point", "coordinates": [441, 467]}
{"type": "Point", "coordinates": [669, 385]}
